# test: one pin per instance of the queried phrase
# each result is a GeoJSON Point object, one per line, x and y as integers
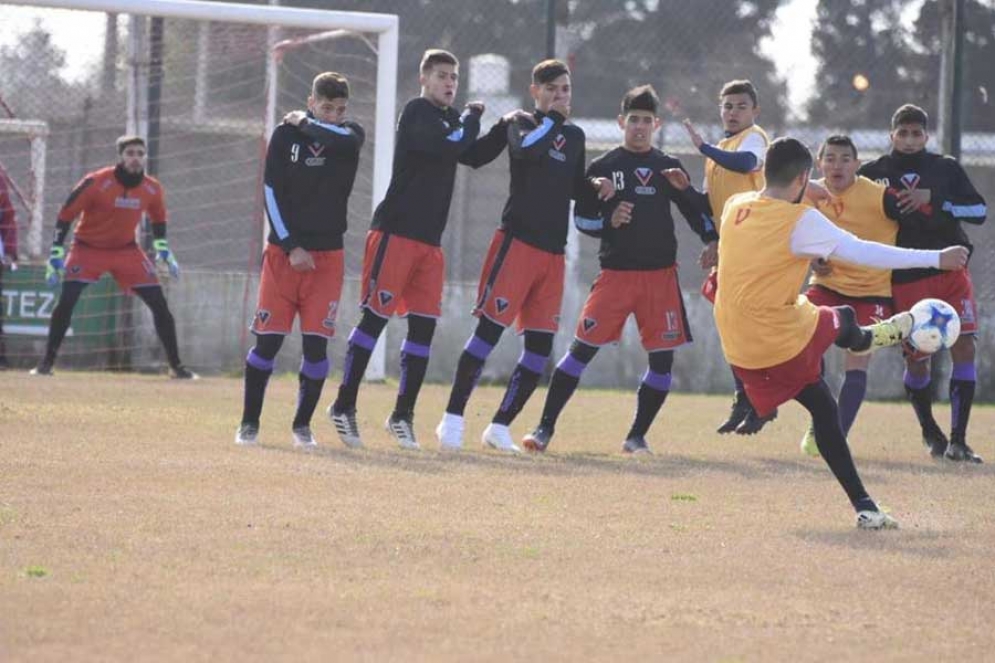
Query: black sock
{"type": "Point", "coordinates": [471, 363]}
{"type": "Point", "coordinates": [565, 379]}
{"type": "Point", "coordinates": [962, 385]}
{"type": "Point", "coordinates": [918, 391]}
{"type": "Point", "coordinates": [61, 317]}
{"type": "Point", "coordinates": [650, 397]}
{"type": "Point", "coordinates": [414, 364]}
{"type": "Point", "coordinates": [819, 401]}
{"type": "Point", "coordinates": [257, 372]}
{"type": "Point", "coordinates": [522, 383]}
{"type": "Point", "coordinates": [311, 380]}
{"type": "Point", "coordinates": [357, 357]}
{"type": "Point", "coordinates": [165, 325]}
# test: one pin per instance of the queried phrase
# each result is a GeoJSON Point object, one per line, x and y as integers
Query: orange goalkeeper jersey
{"type": "Point", "coordinates": [110, 211]}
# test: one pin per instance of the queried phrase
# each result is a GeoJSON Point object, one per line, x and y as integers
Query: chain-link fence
{"type": "Point", "coordinates": [821, 67]}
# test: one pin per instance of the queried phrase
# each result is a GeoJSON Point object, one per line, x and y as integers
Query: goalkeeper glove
{"type": "Point", "coordinates": [162, 252]}
{"type": "Point", "coordinates": [55, 268]}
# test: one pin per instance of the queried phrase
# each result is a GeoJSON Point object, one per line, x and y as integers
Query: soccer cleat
{"type": "Point", "coordinates": [875, 520]}
{"type": "Point", "coordinates": [959, 452]}
{"type": "Point", "coordinates": [346, 427]}
{"type": "Point", "coordinates": [538, 440]}
{"type": "Point", "coordinates": [935, 441]}
{"type": "Point", "coordinates": [403, 431]}
{"type": "Point", "coordinates": [808, 445]}
{"type": "Point", "coordinates": [181, 372]}
{"type": "Point", "coordinates": [636, 445]}
{"type": "Point", "coordinates": [887, 333]}
{"type": "Point", "coordinates": [754, 423]}
{"type": "Point", "coordinates": [450, 432]}
{"type": "Point", "coordinates": [304, 438]}
{"type": "Point", "coordinates": [498, 437]}
{"type": "Point", "coordinates": [44, 368]}
{"type": "Point", "coordinates": [247, 435]}
{"type": "Point", "coordinates": [740, 408]}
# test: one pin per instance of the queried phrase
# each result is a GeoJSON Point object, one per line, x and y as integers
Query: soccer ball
{"type": "Point", "coordinates": [935, 325]}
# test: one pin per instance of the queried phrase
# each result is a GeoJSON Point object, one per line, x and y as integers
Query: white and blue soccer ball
{"type": "Point", "coordinates": [935, 325]}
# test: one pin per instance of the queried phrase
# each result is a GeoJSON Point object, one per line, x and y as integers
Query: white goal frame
{"type": "Point", "coordinates": [36, 131]}
{"type": "Point", "coordinates": [385, 26]}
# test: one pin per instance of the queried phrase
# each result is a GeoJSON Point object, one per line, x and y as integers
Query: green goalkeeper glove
{"type": "Point", "coordinates": [162, 252]}
{"type": "Point", "coordinates": [55, 268]}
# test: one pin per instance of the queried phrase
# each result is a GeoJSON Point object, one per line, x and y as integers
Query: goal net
{"type": "Point", "coordinates": [205, 83]}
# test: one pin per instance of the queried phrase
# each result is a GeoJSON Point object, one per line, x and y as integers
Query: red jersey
{"type": "Point", "coordinates": [110, 211]}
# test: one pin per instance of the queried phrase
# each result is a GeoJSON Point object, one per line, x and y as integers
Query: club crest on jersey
{"type": "Point", "coordinates": [316, 158]}
{"type": "Point", "coordinates": [556, 151]}
{"type": "Point", "coordinates": [910, 180]}
{"type": "Point", "coordinates": [385, 297]}
{"type": "Point", "coordinates": [644, 175]}
{"type": "Point", "coordinates": [501, 304]}
{"type": "Point", "coordinates": [589, 324]}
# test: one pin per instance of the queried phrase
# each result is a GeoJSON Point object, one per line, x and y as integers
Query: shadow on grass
{"type": "Point", "coordinates": [920, 544]}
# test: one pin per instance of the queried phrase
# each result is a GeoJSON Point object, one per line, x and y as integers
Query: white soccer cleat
{"type": "Point", "coordinates": [346, 427]}
{"type": "Point", "coordinates": [498, 437]}
{"type": "Point", "coordinates": [450, 432]}
{"type": "Point", "coordinates": [403, 432]}
{"type": "Point", "coordinates": [304, 438]}
{"type": "Point", "coordinates": [808, 444]}
{"type": "Point", "coordinates": [875, 520]}
{"type": "Point", "coordinates": [247, 435]}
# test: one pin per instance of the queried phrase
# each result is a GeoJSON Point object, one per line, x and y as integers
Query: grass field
{"type": "Point", "coordinates": [131, 528]}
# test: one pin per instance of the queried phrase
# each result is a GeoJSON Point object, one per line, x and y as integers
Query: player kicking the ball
{"type": "Point", "coordinates": [774, 338]}
{"type": "Point", "coordinates": [638, 271]}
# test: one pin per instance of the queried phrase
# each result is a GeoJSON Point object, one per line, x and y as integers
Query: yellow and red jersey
{"type": "Point", "coordinates": [723, 183]}
{"type": "Point", "coordinates": [761, 318]}
{"type": "Point", "coordinates": [111, 212]}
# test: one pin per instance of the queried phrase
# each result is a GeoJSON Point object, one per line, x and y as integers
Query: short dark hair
{"type": "Point", "coordinates": [549, 70]}
{"type": "Point", "coordinates": [127, 141]}
{"type": "Point", "coordinates": [330, 85]}
{"type": "Point", "coordinates": [839, 140]}
{"type": "Point", "coordinates": [643, 98]}
{"type": "Point", "coordinates": [786, 159]}
{"type": "Point", "coordinates": [434, 56]}
{"type": "Point", "coordinates": [740, 87]}
{"type": "Point", "coordinates": [910, 114]}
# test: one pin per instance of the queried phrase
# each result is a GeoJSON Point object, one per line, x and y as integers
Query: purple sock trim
{"type": "Point", "coordinates": [915, 381]}
{"type": "Point", "coordinates": [416, 349]}
{"type": "Point", "coordinates": [965, 371]}
{"type": "Point", "coordinates": [658, 381]}
{"type": "Point", "coordinates": [261, 363]}
{"type": "Point", "coordinates": [315, 370]}
{"type": "Point", "coordinates": [532, 361]}
{"type": "Point", "coordinates": [570, 365]}
{"type": "Point", "coordinates": [478, 347]}
{"type": "Point", "coordinates": [362, 339]}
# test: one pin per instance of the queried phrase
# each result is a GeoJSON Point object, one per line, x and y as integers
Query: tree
{"type": "Point", "coordinates": [31, 83]}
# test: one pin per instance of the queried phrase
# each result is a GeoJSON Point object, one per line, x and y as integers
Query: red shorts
{"type": "Point", "coordinates": [402, 276]}
{"type": "Point", "coordinates": [710, 286]}
{"type": "Point", "coordinates": [285, 293]}
{"type": "Point", "coordinates": [769, 387]}
{"type": "Point", "coordinates": [654, 296]}
{"type": "Point", "coordinates": [955, 288]}
{"type": "Point", "coordinates": [520, 283]}
{"type": "Point", "coordinates": [129, 266]}
{"type": "Point", "coordinates": [869, 309]}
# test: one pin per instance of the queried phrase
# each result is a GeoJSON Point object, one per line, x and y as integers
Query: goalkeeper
{"type": "Point", "coordinates": [112, 201]}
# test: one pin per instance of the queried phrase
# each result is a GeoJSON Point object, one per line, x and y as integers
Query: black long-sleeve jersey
{"type": "Point", "coordinates": [952, 199]}
{"type": "Point", "coordinates": [429, 143]}
{"type": "Point", "coordinates": [309, 175]}
{"type": "Point", "coordinates": [648, 241]}
{"type": "Point", "coordinates": [547, 170]}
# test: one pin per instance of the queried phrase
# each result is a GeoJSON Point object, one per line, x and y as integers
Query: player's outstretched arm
{"type": "Point", "coordinates": [740, 161]}
{"type": "Point", "coordinates": [346, 136]}
{"type": "Point", "coordinates": [488, 147]}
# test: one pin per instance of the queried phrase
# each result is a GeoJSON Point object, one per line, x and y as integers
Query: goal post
{"type": "Point", "coordinates": [223, 89]}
